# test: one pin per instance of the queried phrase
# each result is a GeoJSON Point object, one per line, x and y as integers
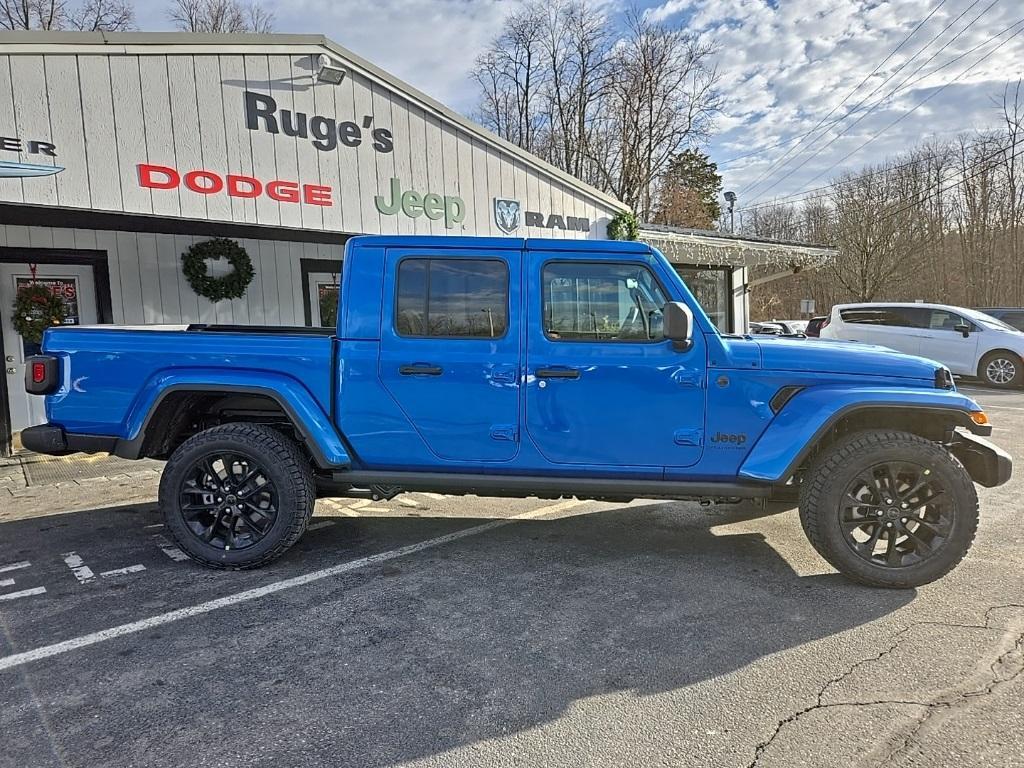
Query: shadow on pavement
{"type": "Point", "coordinates": [467, 642]}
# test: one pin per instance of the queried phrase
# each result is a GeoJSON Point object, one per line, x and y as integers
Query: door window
{"type": "Point", "coordinates": [944, 320]}
{"type": "Point", "coordinates": [585, 301]}
{"type": "Point", "coordinates": [452, 298]}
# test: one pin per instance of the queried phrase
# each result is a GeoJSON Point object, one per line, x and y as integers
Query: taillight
{"type": "Point", "coordinates": [41, 375]}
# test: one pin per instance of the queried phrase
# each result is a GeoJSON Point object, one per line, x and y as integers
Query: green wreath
{"type": "Point", "coordinates": [35, 310]}
{"type": "Point", "coordinates": [624, 226]}
{"type": "Point", "coordinates": [231, 286]}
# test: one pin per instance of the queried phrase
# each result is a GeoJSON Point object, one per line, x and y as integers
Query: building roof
{"type": "Point", "coordinates": [710, 247]}
{"type": "Point", "coordinates": [164, 43]}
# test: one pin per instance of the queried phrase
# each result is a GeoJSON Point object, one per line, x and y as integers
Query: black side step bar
{"type": "Point", "coordinates": [530, 485]}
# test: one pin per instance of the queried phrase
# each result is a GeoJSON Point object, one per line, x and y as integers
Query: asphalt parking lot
{"type": "Point", "coordinates": [432, 630]}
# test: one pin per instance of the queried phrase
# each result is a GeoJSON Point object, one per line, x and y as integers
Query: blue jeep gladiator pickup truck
{"type": "Point", "coordinates": [517, 367]}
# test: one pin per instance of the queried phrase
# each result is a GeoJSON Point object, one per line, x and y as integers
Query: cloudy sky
{"type": "Point", "coordinates": [785, 65]}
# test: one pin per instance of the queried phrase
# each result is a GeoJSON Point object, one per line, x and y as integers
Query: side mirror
{"type": "Point", "coordinates": [678, 325]}
{"type": "Point", "coordinates": [964, 328]}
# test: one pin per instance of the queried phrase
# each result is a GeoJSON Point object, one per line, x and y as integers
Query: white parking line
{"type": "Point", "coordinates": [169, 549]}
{"type": "Point", "coordinates": [407, 502]}
{"type": "Point", "coordinates": [23, 593]}
{"type": "Point", "coordinates": [123, 571]}
{"type": "Point", "coordinates": [154, 525]}
{"type": "Point", "coordinates": [78, 567]}
{"type": "Point", "coordinates": [15, 566]}
{"type": "Point", "coordinates": [6, 582]}
{"type": "Point", "coordinates": [46, 651]}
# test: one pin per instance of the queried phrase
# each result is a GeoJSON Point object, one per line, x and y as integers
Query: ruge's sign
{"type": "Point", "coordinates": [325, 133]}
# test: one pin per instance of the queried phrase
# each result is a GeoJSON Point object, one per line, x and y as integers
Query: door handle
{"type": "Point", "coordinates": [420, 369]}
{"type": "Point", "coordinates": [557, 373]}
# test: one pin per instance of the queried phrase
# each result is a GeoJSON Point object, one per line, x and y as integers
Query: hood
{"type": "Point", "coordinates": [829, 356]}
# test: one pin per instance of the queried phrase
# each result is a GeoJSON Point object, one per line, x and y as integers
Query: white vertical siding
{"type": "Point", "coordinates": [147, 285]}
{"type": "Point", "coordinates": [108, 113]}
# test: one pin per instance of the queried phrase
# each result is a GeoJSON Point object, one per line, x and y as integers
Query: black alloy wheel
{"type": "Point", "coordinates": [895, 514]}
{"type": "Point", "coordinates": [237, 495]}
{"type": "Point", "coordinates": [889, 508]}
{"type": "Point", "coordinates": [228, 500]}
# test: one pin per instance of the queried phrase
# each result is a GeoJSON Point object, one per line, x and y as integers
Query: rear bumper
{"type": "Point", "coordinates": [988, 464]}
{"type": "Point", "coordinates": [51, 439]}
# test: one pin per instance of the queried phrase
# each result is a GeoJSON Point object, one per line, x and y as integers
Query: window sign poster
{"type": "Point", "coordinates": [327, 296]}
{"type": "Point", "coordinates": [64, 288]}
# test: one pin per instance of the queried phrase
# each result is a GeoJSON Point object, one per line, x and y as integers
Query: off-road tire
{"type": "Point", "coordinates": [825, 485]}
{"type": "Point", "coordinates": [1008, 359]}
{"type": "Point", "coordinates": [285, 465]}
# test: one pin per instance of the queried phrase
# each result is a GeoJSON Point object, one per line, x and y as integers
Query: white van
{"type": "Point", "coordinates": [968, 342]}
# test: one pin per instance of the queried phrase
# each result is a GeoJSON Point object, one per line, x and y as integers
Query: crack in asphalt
{"type": "Point", "coordinates": [930, 707]}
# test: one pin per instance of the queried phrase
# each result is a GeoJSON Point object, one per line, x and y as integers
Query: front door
{"type": "Point", "coordinates": [604, 387]}
{"type": "Point", "coordinates": [940, 340]}
{"type": "Point", "coordinates": [75, 286]}
{"type": "Point", "coordinates": [450, 349]}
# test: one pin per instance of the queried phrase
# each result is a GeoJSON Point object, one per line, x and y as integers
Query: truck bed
{"type": "Point", "coordinates": [110, 374]}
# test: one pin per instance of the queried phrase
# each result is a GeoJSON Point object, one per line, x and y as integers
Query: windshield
{"type": "Point", "coordinates": [987, 320]}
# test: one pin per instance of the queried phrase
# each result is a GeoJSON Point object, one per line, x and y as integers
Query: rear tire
{"type": "Point", "coordinates": [1001, 369]}
{"type": "Point", "coordinates": [889, 509]}
{"type": "Point", "coordinates": [237, 496]}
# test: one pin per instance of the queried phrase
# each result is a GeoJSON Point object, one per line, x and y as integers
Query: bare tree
{"type": "Point", "coordinates": [220, 16]}
{"type": "Point", "coordinates": [607, 106]}
{"type": "Point", "coordinates": [101, 15]}
{"type": "Point", "coordinates": [89, 16]}
{"type": "Point", "coordinates": [509, 75]}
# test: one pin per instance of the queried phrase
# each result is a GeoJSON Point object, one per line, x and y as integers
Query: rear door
{"type": "Point", "coordinates": [898, 328]}
{"type": "Point", "coordinates": [603, 386]}
{"type": "Point", "coordinates": [450, 349]}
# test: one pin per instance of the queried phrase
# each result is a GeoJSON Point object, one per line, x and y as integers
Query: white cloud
{"type": "Point", "coordinates": [784, 64]}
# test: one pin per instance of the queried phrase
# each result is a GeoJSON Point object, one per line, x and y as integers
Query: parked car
{"type": "Point", "coordinates": [512, 367]}
{"type": "Point", "coordinates": [814, 325]}
{"type": "Point", "coordinates": [778, 327]}
{"type": "Point", "coordinates": [795, 327]}
{"type": "Point", "coordinates": [968, 342]}
{"type": "Point", "coordinates": [1012, 316]}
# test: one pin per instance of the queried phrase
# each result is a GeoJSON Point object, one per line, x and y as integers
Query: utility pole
{"type": "Point", "coordinates": [730, 198]}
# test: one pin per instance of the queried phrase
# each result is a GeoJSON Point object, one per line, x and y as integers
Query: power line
{"type": "Point", "coordinates": [911, 111]}
{"type": "Point", "coordinates": [926, 192]}
{"type": "Point", "coordinates": [893, 92]}
{"type": "Point", "coordinates": [871, 74]}
{"type": "Point", "coordinates": [781, 162]}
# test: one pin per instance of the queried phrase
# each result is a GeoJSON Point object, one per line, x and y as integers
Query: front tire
{"type": "Point", "coordinates": [889, 509]}
{"type": "Point", "coordinates": [237, 496]}
{"type": "Point", "coordinates": [1001, 369]}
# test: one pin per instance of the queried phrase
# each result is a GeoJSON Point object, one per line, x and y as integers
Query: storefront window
{"type": "Point", "coordinates": [710, 286]}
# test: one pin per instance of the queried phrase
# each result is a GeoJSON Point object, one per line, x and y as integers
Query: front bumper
{"type": "Point", "coordinates": [51, 439]}
{"type": "Point", "coordinates": [988, 464]}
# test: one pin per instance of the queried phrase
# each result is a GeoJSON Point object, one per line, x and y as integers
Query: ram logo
{"type": "Point", "coordinates": [507, 215]}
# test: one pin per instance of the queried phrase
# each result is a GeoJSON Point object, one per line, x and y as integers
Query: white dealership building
{"type": "Point", "coordinates": [120, 151]}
